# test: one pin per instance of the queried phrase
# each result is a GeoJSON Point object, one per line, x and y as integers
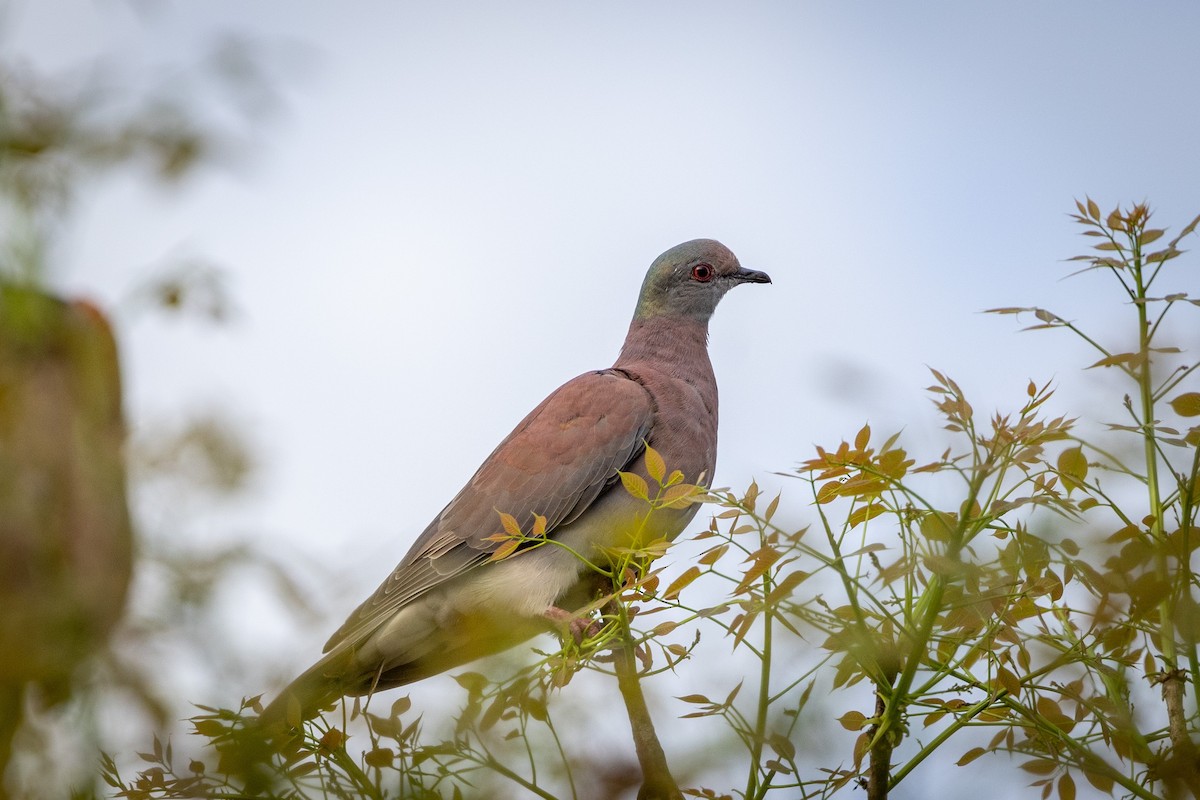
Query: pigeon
{"type": "Point", "coordinates": [450, 601]}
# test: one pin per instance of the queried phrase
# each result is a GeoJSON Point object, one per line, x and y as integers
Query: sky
{"type": "Point", "coordinates": [449, 211]}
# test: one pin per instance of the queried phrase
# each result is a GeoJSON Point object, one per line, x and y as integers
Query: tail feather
{"type": "Point", "coordinates": [321, 685]}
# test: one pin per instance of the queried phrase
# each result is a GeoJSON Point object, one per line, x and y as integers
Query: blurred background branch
{"type": "Point", "coordinates": [98, 606]}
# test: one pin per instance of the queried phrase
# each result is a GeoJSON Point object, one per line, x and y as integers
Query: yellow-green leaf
{"type": "Point", "coordinates": [677, 585]}
{"type": "Point", "coordinates": [333, 739]}
{"type": "Point", "coordinates": [510, 524]}
{"type": "Point", "coordinates": [1066, 787]}
{"type": "Point", "coordinates": [971, 755]}
{"type": "Point", "coordinates": [505, 550]}
{"type": "Point", "coordinates": [1098, 779]}
{"type": "Point", "coordinates": [1040, 766]}
{"type": "Point", "coordinates": [771, 507]}
{"type": "Point", "coordinates": [401, 706]}
{"type": "Point", "coordinates": [829, 491]}
{"type": "Point", "coordinates": [782, 746]}
{"type": "Point", "coordinates": [1073, 467]}
{"type": "Point", "coordinates": [211, 727]}
{"type": "Point", "coordinates": [656, 468]}
{"type": "Point", "coordinates": [714, 555]}
{"type": "Point", "coordinates": [938, 526]}
{"type": "Point", "coordinates": [863, 438]}
{"type": "Point", "coordinates": [1008, 681]}
{"type": "Point", "coordinates": [862, 746]}
{"type": "Point", "coordinates": [785, 587]}
{"type": "Point", "coordinates": [864, 513]}
{"type": "Point", "coordinates": [696, 699]}
{"type": "Point", "coordinates": [852, 720]}
{"type": "Point", "coordinates": [635, 484]}
{"type": "Point", "coordinates": [1127, 359]}
{"type": "Point", "coordinates": [663, 628]}
{"type": "Point", "coordinates": [894, 463]}
{"type": "Point", "coordinates": [1187, 404]}
{"type": "Point", "coordinates": [681, 495]}
{"type": "Point", "coordinates": [379, 757]}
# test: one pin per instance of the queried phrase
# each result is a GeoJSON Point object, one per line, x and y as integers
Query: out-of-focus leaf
{"type": "Point", "coordinates": [1187, 404]}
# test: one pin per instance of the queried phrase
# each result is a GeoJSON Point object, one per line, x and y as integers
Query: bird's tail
{"type": "Point", "coordinates": [319, 686]}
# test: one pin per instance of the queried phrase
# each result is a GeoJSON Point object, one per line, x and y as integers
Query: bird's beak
{"type": "Point", "coordinates": [750, 276]}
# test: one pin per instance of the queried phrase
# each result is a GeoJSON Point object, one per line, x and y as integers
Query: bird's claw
{"type": "Point", "coordinates": [568, 624]}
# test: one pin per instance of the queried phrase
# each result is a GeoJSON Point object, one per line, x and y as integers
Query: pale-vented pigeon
{"type": "Point", "coordinates": [449, 602]}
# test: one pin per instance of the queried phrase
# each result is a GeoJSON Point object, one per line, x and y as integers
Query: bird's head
{"type": "Point", "coordinates": [690, 279]}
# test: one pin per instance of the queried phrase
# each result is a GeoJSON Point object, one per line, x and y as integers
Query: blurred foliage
{"type": "Point", "coordinates": [66, 541]}
{"type": "Point", "coordinates": [56, 135]}
{"type": "Point", "coordinates": [91, 618]}
{"type": "Point", "coordinates": [1029, 592]}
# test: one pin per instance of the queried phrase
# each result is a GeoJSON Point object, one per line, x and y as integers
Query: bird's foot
{"type": "Point", "coordinates": [568, 624]}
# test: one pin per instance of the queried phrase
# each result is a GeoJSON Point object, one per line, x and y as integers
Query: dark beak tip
{"type": "Point", "coordinates": [754, 276]}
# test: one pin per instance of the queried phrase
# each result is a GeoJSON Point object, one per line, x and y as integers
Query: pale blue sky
{"type": "Point", "coordinates": [453, 213]}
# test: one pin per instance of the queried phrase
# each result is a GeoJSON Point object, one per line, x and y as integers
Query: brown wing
{"type": "Point", "coordinates": [555, 463]}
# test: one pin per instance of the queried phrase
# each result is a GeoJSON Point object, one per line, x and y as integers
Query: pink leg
{"type": "Point", "coordinates": [579, 628]}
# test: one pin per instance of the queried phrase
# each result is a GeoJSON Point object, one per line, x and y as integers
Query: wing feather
{"type": "Point", "coordinates": [555, 463]}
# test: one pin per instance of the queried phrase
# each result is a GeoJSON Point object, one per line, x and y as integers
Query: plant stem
{"type": "Point", "coordinates": [879, 777]}
{"type": "Point", "coordinates": [493, 764]}
{"type": "Point", "coordinates": [753, 789]}
{"type": "Point", "coordinates": [657, 782]}
{"type": "Point", "coordinates": [1181, 767]}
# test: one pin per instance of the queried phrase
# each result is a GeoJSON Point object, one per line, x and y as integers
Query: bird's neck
{"type": "Point", "coordinates": [676, 345]}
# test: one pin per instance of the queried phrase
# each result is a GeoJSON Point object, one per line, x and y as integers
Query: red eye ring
{"type": "Point", "coordinates": [702, 273]}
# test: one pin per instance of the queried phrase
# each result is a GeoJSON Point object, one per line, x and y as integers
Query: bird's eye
{"type": "Point", "coordinates": [702, 273]}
